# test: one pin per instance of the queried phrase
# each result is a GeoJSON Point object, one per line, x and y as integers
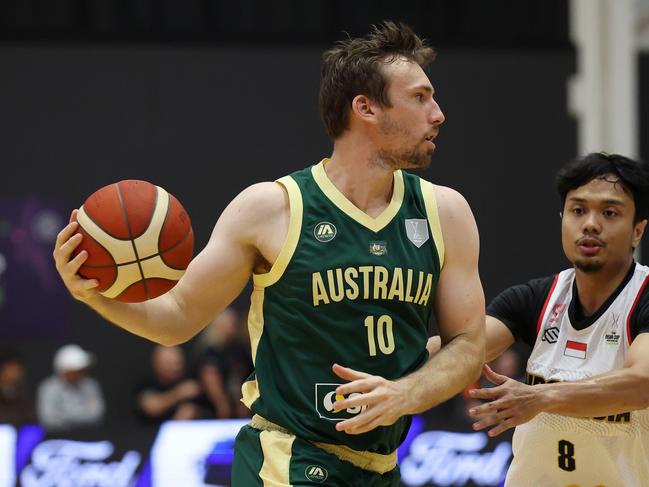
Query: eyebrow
{"type": "Point", "coordinates": [426, 88]}
{"type": "Point", "coordinates": [610, 201]}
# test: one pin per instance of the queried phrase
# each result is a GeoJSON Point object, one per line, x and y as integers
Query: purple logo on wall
{"type": "Point", "coordinates": [33, 300]}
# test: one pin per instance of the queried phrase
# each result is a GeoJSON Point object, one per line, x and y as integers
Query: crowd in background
{"type": "Point", "coordinates": [201, 380]}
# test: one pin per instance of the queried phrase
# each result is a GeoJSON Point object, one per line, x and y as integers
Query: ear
{"type": "Point", "coordinates": [638, 231]}
{"type": "Point", "coordinates": [364, 108]}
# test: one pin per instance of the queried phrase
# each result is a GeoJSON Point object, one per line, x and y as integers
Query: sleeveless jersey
{"type": "Point", "coordinates": [555, 450]}
{"type": "Point", "coordinates": [346, 288]}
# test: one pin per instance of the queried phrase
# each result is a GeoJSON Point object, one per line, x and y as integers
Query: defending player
{"type": "Point", "coordinates": [348, 258]}
{"type": "Point", "coordinates": [583, 420]}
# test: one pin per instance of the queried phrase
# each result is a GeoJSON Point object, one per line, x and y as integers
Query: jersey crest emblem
{"type": "Point", "coordinates": [378, 248]}
{"type": "Point", "coordinates": [417, 231]}
{"type": "Point", "coordinates": [324, 232]}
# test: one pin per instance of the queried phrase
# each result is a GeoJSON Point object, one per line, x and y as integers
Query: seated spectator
{"type": "Point", "coordinates": [169, 393]}
{"type": "Point", "coordinates": [16, 403]}
{"type": "Point", "coordinates": [224, 363]}
{"type": "Point", "coordinates": [70, 399]}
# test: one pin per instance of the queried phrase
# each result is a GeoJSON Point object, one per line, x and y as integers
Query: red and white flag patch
{"type": "Point", "coordinates": [575, 349]}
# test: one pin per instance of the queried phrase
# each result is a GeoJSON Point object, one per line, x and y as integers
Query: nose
{"type": "Point", "coordinates": [591, 223]}
{"type": "Point", "coordinates": [436, 114]}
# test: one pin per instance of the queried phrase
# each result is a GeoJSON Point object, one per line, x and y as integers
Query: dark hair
{"type": "Point", "coordinates": [353, 67]}
{"type": "Point", "coordinates": [9, 355]}
{"type": "Point", "coordinates": [633, 177]}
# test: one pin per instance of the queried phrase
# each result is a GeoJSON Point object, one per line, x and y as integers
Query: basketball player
{"type": "Point", "coordinates": [348, 259]}
{"type": "Point", "coordinates": [583, 418]}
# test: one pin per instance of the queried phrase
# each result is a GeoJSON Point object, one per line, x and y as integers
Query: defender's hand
{"type": "Point", "coordinates": [512, 403]}
{"type": "Point", "coordinates": [384, 400]}
{"type": "Point", "coordinates": [66, 241]}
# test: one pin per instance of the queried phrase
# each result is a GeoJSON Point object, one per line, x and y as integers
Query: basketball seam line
{"type": "Point", "coordinates": [130, 232]}
{"type": "Point", "coordinates": [158, 254]}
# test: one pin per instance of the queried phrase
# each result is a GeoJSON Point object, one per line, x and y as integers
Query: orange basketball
{"type": "Point", "coordinates": [139, 240]}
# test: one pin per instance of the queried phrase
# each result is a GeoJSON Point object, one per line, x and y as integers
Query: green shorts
{"type": "Point", "coordinates": [277, 459]}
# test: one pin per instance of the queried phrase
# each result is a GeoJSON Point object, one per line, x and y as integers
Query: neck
{"type": "Point", "coordinates": [354, 169]}
{"type": "Point", "coordinates": [593, 288]}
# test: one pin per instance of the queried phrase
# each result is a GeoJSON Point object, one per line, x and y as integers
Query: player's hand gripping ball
{"type": "Point", "coordinates": [139, 240]}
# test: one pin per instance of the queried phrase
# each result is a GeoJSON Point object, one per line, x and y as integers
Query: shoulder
{"type": "Point", "coordinates": [257, 206]}
{"type": "Point", "coordinates": [48, 384]}
{"type": "Point", "coordinates": [261, 200]}
{"type": "Point", "coordinates": [455, 216]}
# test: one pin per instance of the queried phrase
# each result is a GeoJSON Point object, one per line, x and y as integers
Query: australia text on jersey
{"type": "Point", "coordinates": [371, 282]}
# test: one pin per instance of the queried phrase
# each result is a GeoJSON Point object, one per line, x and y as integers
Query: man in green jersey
{"type": "Point", "coordinates": [349, 258]}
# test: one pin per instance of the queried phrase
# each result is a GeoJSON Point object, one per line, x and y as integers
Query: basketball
{"type": "Point", "coordinates": [139, 240]}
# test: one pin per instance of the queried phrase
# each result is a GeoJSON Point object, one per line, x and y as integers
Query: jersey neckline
{"type": "Point", "coordinates": [343, 204]}
{"type": "Point", "coordinates": [575, 312]}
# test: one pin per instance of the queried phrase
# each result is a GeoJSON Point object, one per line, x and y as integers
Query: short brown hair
{"type": "Point", "coordinates": [353, 67]}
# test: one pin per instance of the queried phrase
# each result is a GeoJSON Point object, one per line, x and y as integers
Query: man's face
{"type": "Point", "coordinates": [597, 225]}
{"type": "Point", "coordinates": [409, 126]}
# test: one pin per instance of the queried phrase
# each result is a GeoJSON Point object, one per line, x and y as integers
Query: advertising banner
{"type": "Point", "coordinates": [200, 454]}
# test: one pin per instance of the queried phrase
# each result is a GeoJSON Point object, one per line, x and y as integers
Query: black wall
{"type": "Point", "coordinates": [205, 122]}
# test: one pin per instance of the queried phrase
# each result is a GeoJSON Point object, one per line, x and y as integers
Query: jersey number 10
{"type": "Point", "coordinates": [380, 332]}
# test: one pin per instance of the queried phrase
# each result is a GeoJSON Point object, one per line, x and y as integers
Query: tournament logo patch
{"type": "Point", "coordinates": [325, 396]}
{"type": "Point", "coordinates": [613, 337]}
{"type": "Point", "coordinates": [378, 248]}
{"type": "Point", "coordinates": [417, 231]}
{"type": "Point", "coordinates": [316, 473]}
{"type": "Point", "coordinates": [324, 232]}
{"type": "Point", "coordinates": [550, 335]}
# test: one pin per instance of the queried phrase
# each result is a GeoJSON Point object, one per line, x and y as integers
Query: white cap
{"type": "Point", "coordinates": [71, 357]}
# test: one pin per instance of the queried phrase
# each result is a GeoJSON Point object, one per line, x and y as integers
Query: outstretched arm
{"type": "Point", "coordinates": [513, 403]}
{"type": "Point", "coordinates": [459, 304]}
{"type": "Point", "coordinates": [498, 338]}
{"type": "Point", "coordinates": [213, 279]}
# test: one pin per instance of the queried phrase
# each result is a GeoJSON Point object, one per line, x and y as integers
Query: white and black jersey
{"type": "Point", "coordinates": [555, 450]}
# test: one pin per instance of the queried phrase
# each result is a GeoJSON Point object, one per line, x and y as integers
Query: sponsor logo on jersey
{"type": "Point", "coordinates": [550, 335]}
{"type": "Point", "coordinates": [575, 349]}
{"type": "Point", "coordinates": [324, 232]}
{"type": "Point", "coordinates": [316, 473]}
{"type": "Point", "coordinates": [557, 312]}
{"type": "Point", "coordinates": [417, 231]}
{"type": "Point", "coordinates": [371, 282]}
{"type": "Point", "coordinates": [378, 248]}
{"type": "Point", "coordinates": [325, 397]}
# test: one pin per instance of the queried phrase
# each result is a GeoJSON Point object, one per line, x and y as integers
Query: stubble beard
{"type": "Point", "coordinates": [588, 266]}
{"type": "Point", "coordinates": [402, 158]}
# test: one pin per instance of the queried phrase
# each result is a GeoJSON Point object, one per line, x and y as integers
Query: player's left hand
{"type": "Point", "coordinates": [384, 400]}
{"type": "Point", "coordinates": [512, 403]}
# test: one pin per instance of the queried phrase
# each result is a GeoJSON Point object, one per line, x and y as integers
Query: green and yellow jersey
{"type": "Point", "coordinates": [346, 288]}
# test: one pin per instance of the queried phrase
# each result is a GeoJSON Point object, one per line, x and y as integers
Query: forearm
{"type": "Point", "coordinates": [615, 392]}
{"type": "Point", "coordinates": [159, 403]}
{"type": "Point", "coordinates": [160, 320]}
{"type": "Point", "coordinates": [445, 374]}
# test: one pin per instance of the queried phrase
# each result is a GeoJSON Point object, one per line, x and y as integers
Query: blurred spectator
{"type": "Point", "coordinates": [70, 398]}
{"type": "Point", "coordinates": [16, 403]}
{"type": "Point", "coordinates": [508, 363]}
{"type": "Point", "coordinates": [224, 363]}
{"type": "Point", "coordinates": [169, 393]}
